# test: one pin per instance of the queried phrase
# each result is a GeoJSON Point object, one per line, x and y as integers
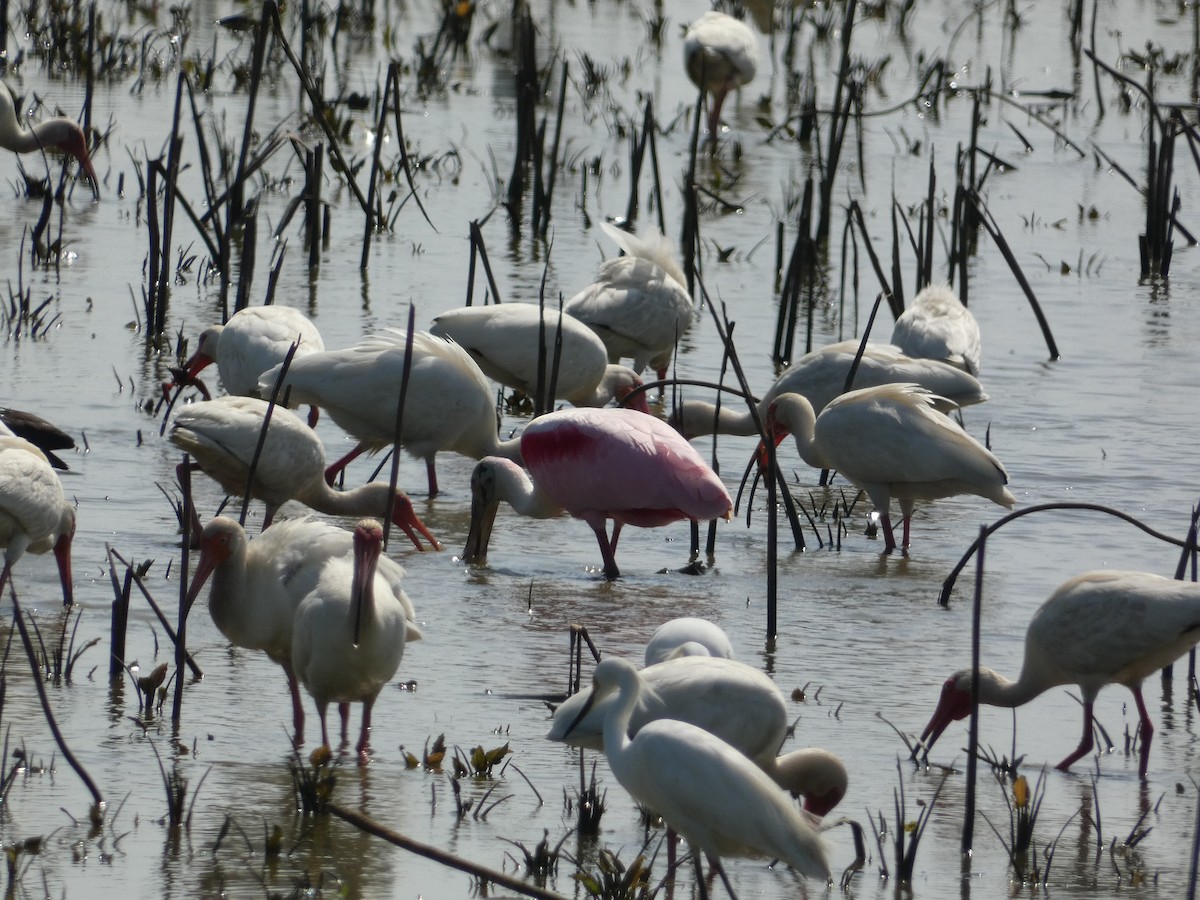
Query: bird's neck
{"type": "Point", "coordinates": [997, 690]}
{"type": "Point", "coordinates": [700, 417]}
{"type": "Point", "coordinates": [515, 486]}
{"type": "Point", "coordinates": [616, 723]}
{"type": "Point", "coordinates": [29, 140]}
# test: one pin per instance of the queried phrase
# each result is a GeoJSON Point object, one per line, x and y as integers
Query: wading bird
{"type": "Point", "coordinates": [34, 514]}
{"type": "Point", "coordinates": [687, 636]}
{"type": "Point", "coordinates": [821, 375]}
{"type": "Point", "coordinates": [892, 441]}
{"type": "Point", "coordinates": [58, 133]}
{"type": "Point", "coordinates": [222, 435]}
{"type": "Point", "coordinates": [258, 585]}
{"type": "Point", "coordinates": [736, 702]}
{"type": "Point", "coordinates": [638, 304]}
{"type": "Point", "coordinates": [1098, 628]}
{"type": "Point", "coordinates": [448, 405]}
{"type": "Point", "coordinates": [597, 464]}
{"type": "Point", "coordinates": [349, 634]}
{"type": "Point", "coordinates": [937, 326]}
{"type": "Point", "coordinates": [707, 791]}
{"type": "Point", "coordinates": [503, 340]}
{"type": "Point", "coordinates": [254, 340]}
{"type": "Point", "coordinates": [720, 55]}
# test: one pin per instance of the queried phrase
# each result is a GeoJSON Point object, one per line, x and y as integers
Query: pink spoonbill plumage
{"type": "Point", "coordinates": [732, 700]}
{"type": "Point", "coordinates": [1098, 628]}
{"type": "Point", "coordinates": [34, 514]}
{"type": "Point", "coordinates": [222, 435]}
{"type": "Point", "coordinates": [705, 789]}
{"type": "Point", "coordinates": [349, 634]}
{"type": "Point", "coordinates": [258, 585]}
{"type": "Point", "coordinates": [597, 464]}
{"type": "Point", "coordinates": [937, 326]}
{"type": "Point", "coordinates": [449, 404]}
{"type": "Point", "coordinates": [821, 375]}
{"type": "Point", "coordinates": [892, 441]}
{"type": "Point", "coordinates": [58, 133]}
{"type": "Point", "coordinates": [720, 54]}
{"type": "Point", "coordinates": [638, 304]}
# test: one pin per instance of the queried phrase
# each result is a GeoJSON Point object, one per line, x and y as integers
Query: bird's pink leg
{"type": "Point", "coordinates": [1147, 730]}
{"type": "Point", "coordinates": [4, 576]}
{"type": "Point", "coordinates": [332, 472]}
{"type": "Point", "coordinates": [298, 706]}
{"type": "Point", "coordinates": [907, 522]}
{"type": "Point", "coordinates": [269, 517]}
{"type": "Point", "coordinates": [889, 537]}
{"type": "Point", "coordinates": [344, 715]}
{"type": "Point", "coordinates": [1085, 743]}
{"type": "Point", "coordinates": [616, 534]}
{"type": "Point", "coordinates": [364, 735]}
{"type": "Point", "coordinates": [606, 552]}
{"type": "Point", "coordinates": [714, 115]}
{"type": "Point", "coordinates": [321, 708]}
{"type": "Point", "coordinates": [431, 474]}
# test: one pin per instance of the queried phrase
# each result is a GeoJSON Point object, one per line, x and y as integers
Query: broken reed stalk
{"type": "Point", "coordinates": [985, 218]}
{"type": "Point", "coordinates": [948, 584]}
{"type": "Point", "coordinates": [855, 215]}
{"type": "Point", "coordinates": [314, 161]}
{"type": "Point", "coordinates": [162, 291]}
{"type": "Point", "coordinates": [262, 433]}
{"type": "Point", "coordinates": [97, 799]}
{"type": "Point", "coordinates": [689, 243]}
{"type": "Point", "coordinates": [120, 617]}
{"type": "Point", "coordinates": [373, 213]}
{"type": "Point", "coordinates": [503, 880]}
{"type": "Point", "coordinates": [394, 475]}
{"type": "Point", "coordinates": [968, 834]}
{"type": "Point", "coordinates": [545, 182]}
{"type": "Point", "coordinates": [249, 255]}
{"type": "Point", "coordinates": [839, 116]}
{"type": "Point", "coordinates": [526, 79]}
{"type": "Point", "coordinates": [1188, 554]}
{"type": "Point", "coordinates": [405, 162]}
{"type": "Point", "coordinates": [185, 477]}
{"type": "Point", "coordinates": [197, 672]}
{"type": "Point", "coordinates": [801, 262]}
{"type": "Point", "coordinates": [478, 248]}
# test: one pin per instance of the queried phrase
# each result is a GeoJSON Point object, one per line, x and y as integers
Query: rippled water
{"type": "Point", "coordinates": [1113, 421]}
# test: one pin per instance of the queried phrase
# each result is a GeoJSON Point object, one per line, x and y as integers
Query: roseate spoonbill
{"type": "Point", "coordinates": [254, 340]}
{"type": "Point", "coordinates": [687, 636]}
{"type": "Point", "coordinates": [503, 340]}
{"type": "Point", "coordinates": [449, 404]}
{"type": "Point", "coordinates": [937, 326]}
{"type": "Point", "coordinates": [1101, 627]}
{"type": "Point", "coordinates": [349, 636]}
{"type": "Point", "coordinates": [736, 702]}
{"type": "Point", "coordinates": [706, 790]}
{"type": "Point", "coordinates": [892, 441]}
{"type": "Point", "coordinates": [597, 464]}
{"type": "Point", "coordinates": [720, 55]}
{"type": "Point", "coordinates": [222, 434]}
{"type": "Point", "coordinates": [821, 375]}
{"type": "Point", "coordinates": [43, 434]}
{"type": "Point", "coordinates": [638, 304]}
{"type": "Point", "coordinates": [258, 585]}
{"type": "Point", "coordinates": [58, 133]}
{"type": "Point", "coordinates": [34, 514]}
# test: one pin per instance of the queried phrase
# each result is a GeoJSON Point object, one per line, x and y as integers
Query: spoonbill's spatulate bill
{"type": "Point", "coordinates": [597, 464]}
{"type": "Point", "coordinates": [892, 441]}
{"type": "Point", "coordinates": [1102, 627]}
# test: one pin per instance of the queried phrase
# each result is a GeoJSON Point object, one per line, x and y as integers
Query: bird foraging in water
{"type": "Point", "coordinates": [707, 791]}
{"type": "Point", "coordinates": [349, 635]}
{"type": "Point", "coordinates": [720, 55]}
{"type": "Point", "coordinates": [597, 464]}
{"type": "Point", "coordinates": [892, 441]}
{"type": "Point", "coordinates": [34, 514]}
{"type": "Point", "coordinates": [1101, 627]}
{"type": "Point", "coordinates": [58, 133]}
{"type": "Point", "coordinates": [937, 326]}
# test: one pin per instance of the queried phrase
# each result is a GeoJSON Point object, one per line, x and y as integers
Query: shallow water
{"type": "Point", "coordinates": [1111, 422]}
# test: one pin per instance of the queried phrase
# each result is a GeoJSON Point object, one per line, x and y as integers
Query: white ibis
{"type": "Point", "coordinates": [34, 514]}
{"type": "Point", "coordinates": [892, 441]}
{"type": "Point", "coordinates": [638, 304]}
{"type": "Point", "coordinates": [258, 585]}
{"type": "Point", "coordinates": [1098, 628]}
{"type": "Point", "coordinates": [597, 464]}
{"type": "Point", "coordinates": [720, 54]}
{"type": "Point", "coordinates": [222, 435]}
{"type": "Point", "coordinates": [252, 341]}
{"type": "Point", "coordinates": [821, 375]}
{"type": "Point", "coordinates": [687, 636]}
{"type": "Point", "coordinates": [503, 339]}
{"type": "Point", "coordinates": [448, 406]}
{"type": "Point", "coordinates": [738, 703]}
{"type": "Point", "coordinates": [937, 326]}
{"type": "Point", "coordinates": [349, 633]}
{"type": "Point", "coordinates": [706, 790]}
{"type": "Point", "coordinates": [58, 133]}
